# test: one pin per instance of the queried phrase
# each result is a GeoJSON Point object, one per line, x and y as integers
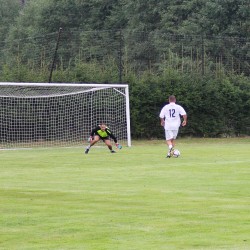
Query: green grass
{"type": "Point", "coordinates": [60, 198]}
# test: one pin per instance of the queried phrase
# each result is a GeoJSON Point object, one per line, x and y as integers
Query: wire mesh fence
{"type": "Point", "coordinates": [126, 50]}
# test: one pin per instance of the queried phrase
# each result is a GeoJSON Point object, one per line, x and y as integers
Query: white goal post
{"type": "Point", "coordinates": [61, 114]}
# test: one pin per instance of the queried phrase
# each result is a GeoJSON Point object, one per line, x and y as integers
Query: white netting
{"type": "Point", "coordinates": [60, 114]}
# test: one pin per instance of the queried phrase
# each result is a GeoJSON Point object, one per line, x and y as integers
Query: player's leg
{"type": "Point", "coordinates": [169, 137]}
{"type": "Point", "coordinates": [170, 140]}
{"type": "Point", "coordinates": [109, 145]}
{"type": "Point", "coordinates": [93, 142]}
{"type": "Point", "coordinates": [171, 143]}
{"type": "Point", "coordinates": [171, 147]}
{"type": "Point", "coordinates": [175, 133]}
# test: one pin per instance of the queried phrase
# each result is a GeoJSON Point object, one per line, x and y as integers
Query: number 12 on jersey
{"type": "Point", "coordinates": [172, 112]}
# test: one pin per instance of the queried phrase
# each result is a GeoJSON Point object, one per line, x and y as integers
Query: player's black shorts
{"type": "Point", "coordinates": [104, 138]}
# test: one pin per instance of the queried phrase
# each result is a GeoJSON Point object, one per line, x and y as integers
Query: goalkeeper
{"type": "Point", "coordinates": [102, 132]}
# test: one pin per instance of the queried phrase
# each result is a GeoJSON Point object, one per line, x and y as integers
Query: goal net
{"type": "Point", "coordinates": [48, 114]}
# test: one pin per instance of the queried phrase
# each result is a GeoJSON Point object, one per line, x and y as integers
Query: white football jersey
{"type": "Point", "coordinates": [171, 113]}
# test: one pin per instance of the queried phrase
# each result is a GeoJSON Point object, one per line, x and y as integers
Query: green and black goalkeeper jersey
{"type": "Point", "coordinates": [103, 134]}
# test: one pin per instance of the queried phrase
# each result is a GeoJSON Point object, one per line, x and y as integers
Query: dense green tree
{"type": "Point", "coordinates": [82, 15]}
{"type": "Point", "coordinates": [213, 17]}
{"type": "Point", "coordinates": [226, 18]}
{"type": "Point", "coordinates": [26, 36]}
{"type": "Point", "coordinates": [180, 13]}
{"type": "Point", "coordinates": [196, 17]}
{"type": "Point", "coordinates": [27, 23]}
{"type": "Point", "coordinates": [9, 11]}
{"type": "Point", "coordinates": [65, 14]}
{"type": "Point", "coordinates": [118, 18]}
{"type": "Point", "coordinates": [145, 15]}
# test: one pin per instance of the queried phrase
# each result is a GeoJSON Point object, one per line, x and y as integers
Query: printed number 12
{"type": "Point", "coordinates": [172, 112]}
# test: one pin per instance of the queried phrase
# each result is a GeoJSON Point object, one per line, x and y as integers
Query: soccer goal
{"type": "Point", "coordinates": [49, 114]}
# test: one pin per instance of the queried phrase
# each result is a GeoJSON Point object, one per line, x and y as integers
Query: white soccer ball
{"type": "Point", "coordinates": [176, 153]}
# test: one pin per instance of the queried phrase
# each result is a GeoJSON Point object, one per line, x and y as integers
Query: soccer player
{"type": "Point", "coordinates": [170, 116]}
{"type": "Point", "coordinates": [102, 132]}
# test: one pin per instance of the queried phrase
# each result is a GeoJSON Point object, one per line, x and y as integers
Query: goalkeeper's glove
{"type": "Point", "coordinates": [90, 139]}
{"type": "Point", "coordinates": [118, 145]}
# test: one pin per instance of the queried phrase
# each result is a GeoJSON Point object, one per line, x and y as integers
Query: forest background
{"type": "Point", "coordinates": [198, 50]}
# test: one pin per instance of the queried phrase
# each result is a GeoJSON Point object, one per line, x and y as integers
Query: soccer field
{"type": "Point", "coordinates": [60, 198]}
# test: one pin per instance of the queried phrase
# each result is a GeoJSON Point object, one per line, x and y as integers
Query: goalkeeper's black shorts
{"type": "Point", "coordinates": [104, 138]}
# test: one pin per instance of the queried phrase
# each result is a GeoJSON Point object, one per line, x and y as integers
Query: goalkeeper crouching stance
{"type": "Point", "coordinates": [102, 132]}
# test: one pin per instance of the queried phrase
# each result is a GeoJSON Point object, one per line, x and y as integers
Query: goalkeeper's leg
{"type": "Point", "coordinates": [93, 142]}
{"type": "Point", "coordinates": [109, 145]}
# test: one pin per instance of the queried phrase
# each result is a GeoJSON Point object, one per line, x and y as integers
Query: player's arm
{"type": "Point", "coordinates": [111, 135]}
{"type": "Point", "coordinates": [162, 122]}
{"type": "Point", "coordinates": [184, 122]}
{"type": "Point", "coordinates": [184, 116]}
{"type": "Point", "coordinates": [162, 117]}
{"type": "Point", "coordinates": [93, 132]}
{"type": "Point", "coordinates": [114, 138]}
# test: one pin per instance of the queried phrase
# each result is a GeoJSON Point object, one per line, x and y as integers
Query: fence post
{"type": "Point", "coordinates": [202, 56]}
{"type": "Point", "coordinates": [55, 53]}
{"type": "Point", "coordinates": [120, 57]}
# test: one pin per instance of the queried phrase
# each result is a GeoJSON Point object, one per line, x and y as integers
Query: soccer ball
{"type": "Point", "coordinates": [176, 153]}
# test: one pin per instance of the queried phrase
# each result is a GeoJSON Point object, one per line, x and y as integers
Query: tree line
{"type": "Point", "coordinates": [197, 50]}
{"type": "Point", "coordinates": [189, 17]}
